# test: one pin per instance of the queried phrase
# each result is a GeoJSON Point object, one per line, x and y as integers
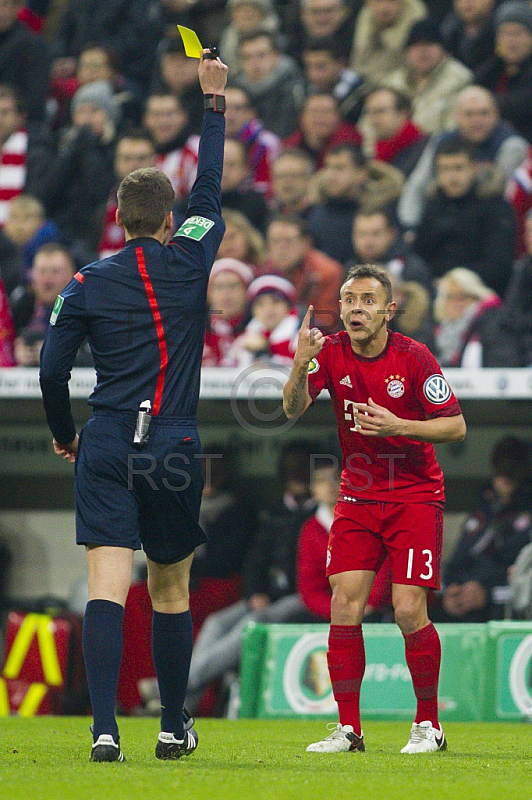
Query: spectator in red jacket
{"type": "Point", "coordinates": [321, 128]}
{"type": "Point", "coordinates": [316, 277]}
{"type": "Point", "coordinates": [312, 583]}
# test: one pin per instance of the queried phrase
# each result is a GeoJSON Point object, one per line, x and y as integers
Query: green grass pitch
{"type": "Point", "coordinates": [46, 758]}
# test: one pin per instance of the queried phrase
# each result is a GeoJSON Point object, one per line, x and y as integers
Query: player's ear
{"type": "Point", "coordinates": [118, 219]}
{"type": "Point", "coordinates": [169, 221]}
{"type": "Point", "coordinates": [391, 308]}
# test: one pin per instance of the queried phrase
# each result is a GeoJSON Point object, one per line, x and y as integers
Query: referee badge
{"type": "Point", "coordinates": [195, 228]}
{"type": "Point", "coordinates": [59, 300]}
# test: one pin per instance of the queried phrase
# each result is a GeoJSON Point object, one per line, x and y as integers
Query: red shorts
{"type": "Point", "coordinates": [411, 533]}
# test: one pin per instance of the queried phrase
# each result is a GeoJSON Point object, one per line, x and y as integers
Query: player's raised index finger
{"type": "Point", "coordinates": [306, 318]}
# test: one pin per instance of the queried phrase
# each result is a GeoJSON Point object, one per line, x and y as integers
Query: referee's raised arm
{"type": "Point", "coordinates": [206, 192]}
{"type": "Point", "coordinates": [203, 215]}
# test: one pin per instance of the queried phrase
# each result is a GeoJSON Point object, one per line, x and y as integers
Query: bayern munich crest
{"type": "Point", "coordinates": [395, 386]}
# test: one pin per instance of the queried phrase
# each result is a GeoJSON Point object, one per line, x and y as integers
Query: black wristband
{"type": "Point", "coordinates": [214, 102]}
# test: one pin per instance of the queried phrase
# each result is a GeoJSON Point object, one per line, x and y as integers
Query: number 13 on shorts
{"type": "Point", "coordinates": [427, 570]}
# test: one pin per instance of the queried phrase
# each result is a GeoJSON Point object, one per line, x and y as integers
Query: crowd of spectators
{"type": "Point", "coordinates": [392, 131]}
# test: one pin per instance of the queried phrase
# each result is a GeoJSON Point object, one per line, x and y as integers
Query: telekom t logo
{"type": "Point", "coordinates": [350, 413]}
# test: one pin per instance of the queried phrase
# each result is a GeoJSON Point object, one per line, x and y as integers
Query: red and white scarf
{"type": "Point", "coordinates": [12, 170]}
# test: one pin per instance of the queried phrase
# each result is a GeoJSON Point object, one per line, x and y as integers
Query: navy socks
{"type": "Point", "coordinates": [172, 650]}
{"type": "Point", "coordinates": [102, 650]}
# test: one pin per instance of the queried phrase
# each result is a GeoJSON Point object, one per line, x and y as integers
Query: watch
{"type": "Point", "coordinates": [214, 102]}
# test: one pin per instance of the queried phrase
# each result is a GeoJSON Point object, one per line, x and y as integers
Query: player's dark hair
{"type": "Point", "coordinates": [145, 197]}
{"type": "Point", "coordinates": [455, 146]}
{"type": "Point", "coordinates": [370, 271]}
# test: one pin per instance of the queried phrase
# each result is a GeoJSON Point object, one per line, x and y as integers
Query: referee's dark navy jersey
{"type": "Point", "coordinates": [143, 311]}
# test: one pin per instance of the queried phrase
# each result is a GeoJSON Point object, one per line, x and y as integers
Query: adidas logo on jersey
{"type": "Point", "coordinates": [346, 382]}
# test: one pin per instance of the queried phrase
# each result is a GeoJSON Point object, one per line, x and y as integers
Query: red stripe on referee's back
{"type": "Point", "coordinates": [158, 327]}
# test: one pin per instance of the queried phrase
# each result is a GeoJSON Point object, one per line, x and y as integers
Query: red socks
{"type": "Point", "coordinates": [347, 661]}
{"type": "Point", "coordinates": [423, 656]}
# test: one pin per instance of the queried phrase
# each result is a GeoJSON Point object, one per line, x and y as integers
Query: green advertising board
{"type": "Point", "coordinates": [510, 654]}
{"type": "Point", "coordinates": [485, 673]}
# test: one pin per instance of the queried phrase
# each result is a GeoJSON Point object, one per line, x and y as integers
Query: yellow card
{"type": "Point", "coordinates": [193, 48]}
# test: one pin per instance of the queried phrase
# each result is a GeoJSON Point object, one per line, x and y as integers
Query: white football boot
{"type": "Point", "coordinates": [342, 740]}
{"type": "Point", "coordinates": [425, 739]}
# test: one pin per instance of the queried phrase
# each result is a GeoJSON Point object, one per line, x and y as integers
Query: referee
{"type": "Point", "coordinates": [138, 459]}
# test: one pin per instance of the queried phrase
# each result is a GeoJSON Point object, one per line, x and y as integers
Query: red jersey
{"type": "Point", "coordinates": [406, 379]}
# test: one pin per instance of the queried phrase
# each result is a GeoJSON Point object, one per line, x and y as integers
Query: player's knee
{"type": "Point", "coordinates": [410, 615]}
{"type": "Point", "coordinates": [162, 593]}
{"type": "Point", "coordinates": [345, 605]}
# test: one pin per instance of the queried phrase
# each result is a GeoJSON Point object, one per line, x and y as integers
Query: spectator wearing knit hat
{"type": "Point", "coordinates": [430, 77]}
{"type": "Point", "coordinates": [80, 173]}
{"type": "Point", "coordinates": [227, 298]}
{"type": "Point", "coordinates": [271, 334]}
{"type": "Point", "coordinates": [509, 73]}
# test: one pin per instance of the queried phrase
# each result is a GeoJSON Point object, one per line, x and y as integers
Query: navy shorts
{"type": "Point", "coordinates": [131, 496]}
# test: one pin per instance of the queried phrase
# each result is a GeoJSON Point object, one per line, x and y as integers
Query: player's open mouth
{"type": "Point", "coordinates": [356, 324]}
